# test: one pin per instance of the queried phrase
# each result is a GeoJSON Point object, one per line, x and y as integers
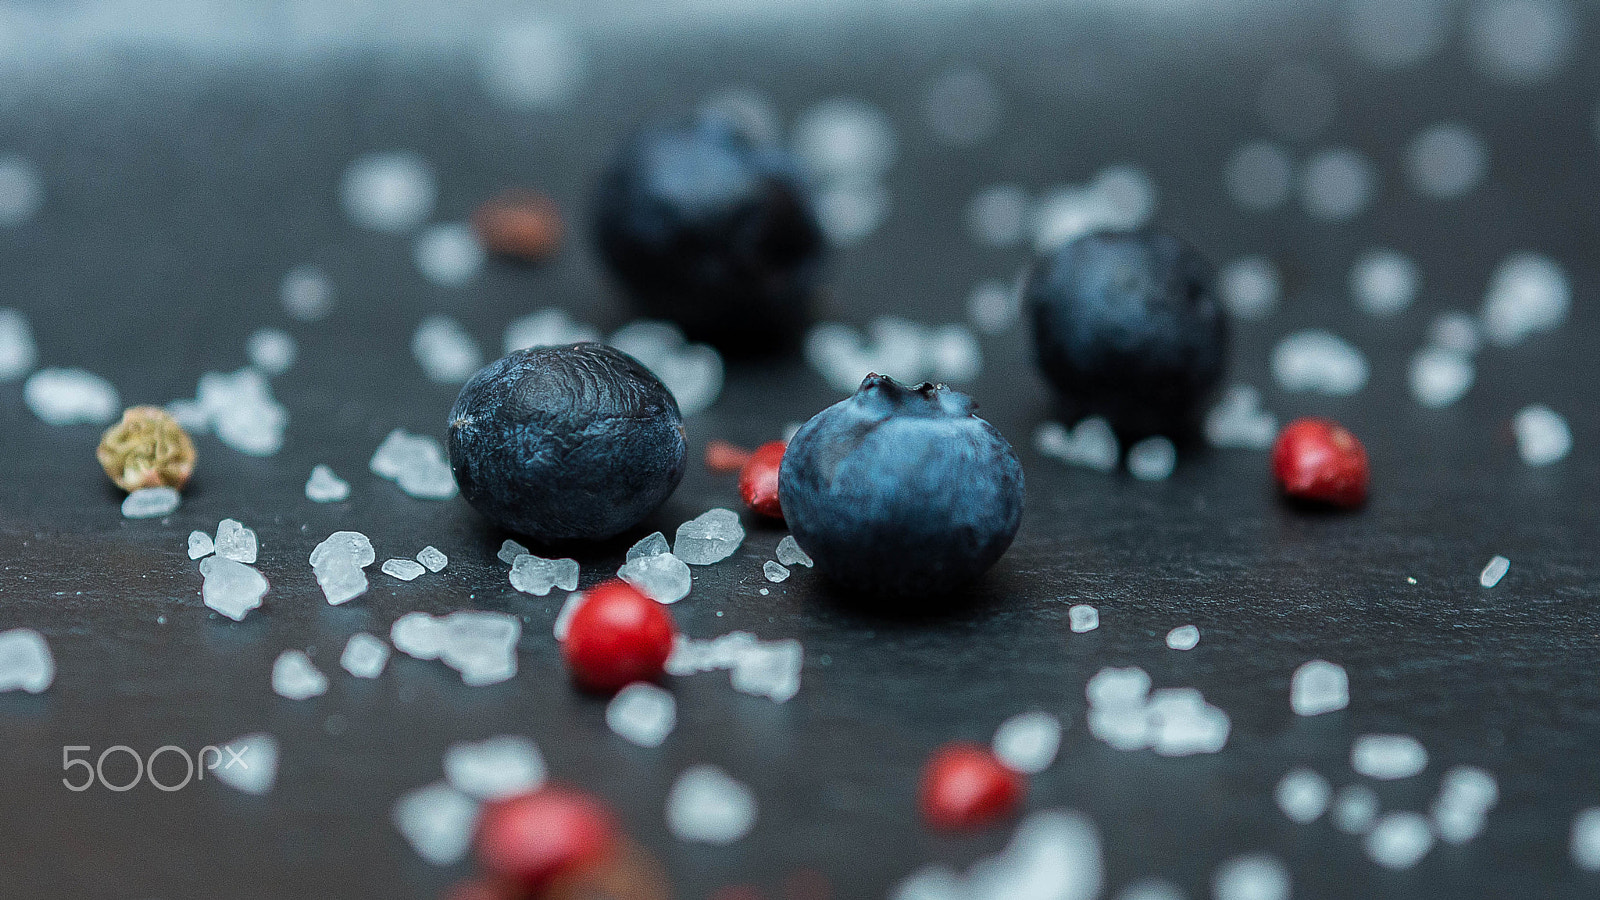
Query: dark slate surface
{"type": "Point", "coordinates": [182, 187]}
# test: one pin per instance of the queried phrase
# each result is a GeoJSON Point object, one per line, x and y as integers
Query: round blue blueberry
{"type": "Point", "coordinates": [580, 442]}
{"type": "Point", "coordinates": [1128, 326]}
{"type": "Point", "coordinates": [711, 230]}
{"type": "Point", "coordinates": [901, 492]}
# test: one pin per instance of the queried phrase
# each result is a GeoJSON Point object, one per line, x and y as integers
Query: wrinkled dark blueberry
{"type": "Point", "coordinates": [898, 491]}
{"type": "Point", "coordinates": [713, 231]}
{"type": "Point", "coordinates": [563, 443]}
{"type": "Point", "coordinates": [1128, 325]}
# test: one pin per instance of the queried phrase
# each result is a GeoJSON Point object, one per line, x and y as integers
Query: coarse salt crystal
{"type": "Point", "coordinates": [708, 807]}
{"type": "Point", "coordinates": [1388, 757]}
{"type": "Point", "coordinates": [1303, 795]}
{"type": "Point", "coordinates": [774, 572]}
{"type": "Point", "coordinates": [294, 676]}
{"type": "Point", "coordinates": [1251, 877]}
{"type": "Point", "coordinates": [449, 254]}
{"type": "Point", "coordinates": [231, 587]}
{"type": "Point", "coordinates": [25, 661]}
{"type": "Point", "coordinates": [1440, 377]}
{"type": "Point", "coordinates": [539, 576]}
{"type": "Point", "coordinates": [392, 191]}
{"type": "Point", "coordinates": [437, 821]}
{"type": "Point", "coordinates": [432, 558]}
{"type": "Point", "coordinates": [70, 397]}
{"type": "Point", "coordinates": [509, 551]}
{"type": "Point", "coordinates": [1152, 459]}
{"type": "Point", "coordinates": [790, 554]}
{"type": "Point", "coordinates": [446, 352]}
{"type": "Point", "coordinates": [642, 714]}
{"type": "Point", "coordinates": [1320, 362]}
{"type": "Point", "coordinates": [364, 655]}
{"type": "Point", "coordinates": [271, 350]}
{"type": "Point", "coordinates": [1028, 742]}
{"type": "Point", "coordinates": [662, 577]}
{"type": "Point", "coordinates": [709, 538]}
{"type": "Point", "coordinates": [1250, 287]}
{"type": "Point", "coordinates": [150, 503]}
{"type": "Point", "coordinates": [18, 351]}
{"type": "Point", "coordinates": [1543, 436]}
{"type": "Point", "coordinates": [1399, 840]}
{"type": "Point", "coordinates": [494, 768]}
{"type": "Point", "coordinates": [1384, 282]}
{"type": "Point", "coordinates": [403, 569]}
{"type": "Point", "coordinates": [1083, 618]}
{"type": "Point", "coordinates": [1184, 637]}
{"type": "Point", "coordinates": [325, 487]}
{"type": "Point", "coordinates": [200, 544]}
{"type": "Point", "coordinates": [248, 763]}
{"type": "Point", "coordinates": [1585, 841]}
{"type": "Point", "coordinates": [1319, 687]}
{"type": "Point", "coordinates": [1355, 808]}
{"type": "Point", "coordinates": [1494, 571]}
{"type": "Point", "coordinates": [236, 542]}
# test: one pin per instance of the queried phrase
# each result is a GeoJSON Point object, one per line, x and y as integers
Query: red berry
{"type": "Point", "coordinates": [965, 786]}
{"type": "Point", "coordinates": [724, 458]}
{"type": "Point", "coordinates": [617, 636]}
{"type": "Point", "coordinates": [532, 838]}
{"type": "Point", "coordinates": [758, 482]}
{"type": "Point", "coordinates": [1321, 461]}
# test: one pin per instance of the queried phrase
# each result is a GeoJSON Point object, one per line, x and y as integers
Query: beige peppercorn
{"type": "Point", "coordinates": [148, 448]}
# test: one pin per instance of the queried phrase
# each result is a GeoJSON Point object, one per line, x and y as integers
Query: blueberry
{"type": "Point", "coordinates": [711, 230]}
{"type": "Point", "coordinates": [899, 491]}
{"type": "Point", "coordinates": [562, 443]}
{"type": "Point", "coordinates": [1127, 325]}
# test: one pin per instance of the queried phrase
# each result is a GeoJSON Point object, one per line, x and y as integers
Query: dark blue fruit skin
{"type": "Point", "coordinates": [901, 492]}
{"type": "Point", "coordinates": [713, 231]}
{"type": "Point", "coordinates": [1127, 325]}
{"type": "Point", "coordinates": [580, 442]}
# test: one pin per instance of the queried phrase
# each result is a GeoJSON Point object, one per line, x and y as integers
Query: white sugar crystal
{"type": "Point", "coordinates": [231, 587]}
{"type": "Point", "coordinates": [1303, 795]}
{"type": "Point", "coordinates": [150, 503]}
{"type": "Point", "coordinates": [235, 541]}
{"type": "Point", "coordinates": [952, 355]}
{"type": "Point", "coordinates": [248, 763]}
{"type": "Point", "coordinates": [482, 646]}
{"type": "Point", "coordinates": [418, 635]}
{"type": "Point", "coordinates": [1456, 331]}
{"type": "Point", "coordinates": [294, 677]}
{"type": "Point", "coordinates": [446, 352]}
{"type": "Point", "coordinates": [25, 661]}
{"type": "Point", "coordinates": [1259, 177]}
{"type": "Point", "coordinates": [1387, 757]}
{"type": "Point", "coordinates": [908, 351]}
{"type": "Point", "coordinates": [21, 188]}
{"type": "Point", "coordinates": [692, 372]}
{"type": "Point", "coordinates": [1239, 422]}
{"type": "Point", "coordinates": [1091, 444]}
{"type": "Point", "coordinates": [1585, 842]}
{"type": "Point", "coordinates": [1083, 617]}
{"type": "Point", "coordinates": [994, 306]}
{"type": "Point", "coordinates": [306, 294]}
{"type": "Point", "coordinates": [961, 107]}
{"type": "Point", "coordinates": [774, 572]}
{"type": "Point", "coordinates": [1337, 184]}
{"type": "Point", "coordinates": [1118, 688]}
{"type": "Point", "coordinates": [1250, 287]}
{"type": "Point", "coordinates": [662, 577]}
{"type": "Point", "coordinates": [449, 254]}
{"type": "Point", "coordinates": [1494, 571]}
{"type": "Point", "coordinates": [416, 463]}
{"type": "Point", "coordinates": [533, 64]}
{"type": "Point", "coordinates": [1527, 294]}
{"type": "Point", "coordinates": [1399, 840]}
{"type": "Point", "coordinates": [1446, 161]}
{"type": "Point", "coordinates": [1255, 876]}
{"type": "Point", "coordinates": [1355, 808]}
{"type": "Point", "coordinates": [709, 538]}
{"type": "Point", "coordinates": [1054, 855]}
{"type": "Point", "coordinates": [1027, 742]}
{"type": "Point", "coordinates": [1394, 34]}
{"type": "Point", "coordinates": [1151, 889]}
{"type": "Point", "coordinates": [364, 655]}
{"type": "Point", "coordinates": [790, 554]}
{"type": "Point", "coordinates": [546, 328]}
{"type": "Point", "coordinates": [845, 137]}
{"type": "Point", "coordinates": [403, 569]}
{"type": "Point", "coordinates": [1440, 377]}
{"type": "Point", "coordinates": [1121, 727]}
{"type": "Point", "coordinates": [931, 883]}
{"type": "Point", "coordinates": [343, 548]}
{"type": "Point", "coordinates": [325, 487]}
{"type": "Point", "coordinates": [432, 558]}
{"type": "Point", "coordinates": [240, 408]}
{"type": "Point", "coordinates": [1183, 724]}
{"type": "Point", "coordinates": [391, 192]}
{"type": "Point", "coordinates": [1319, 687]}
{"type": "Point", "coordinates": [1152, 459]}
{"type": "Point", "coordinates": [509, 551]}
{"type": "Point", "coordinates": [1320, 362]}
{"type": "Point", "coordinates": [271, 350]}
{"type": "Point", "coordinates": [1184, 637]}
{"type": "Point", "coordinates": [1542, 435]}
{"type": "Point", "coordinates": [70, 397]}
{"type": "Point", "coordinates": [642, 714]}
{"type": "Point", "coordinates": [851, 209]}
{"type": "Point", "coordinates": [1119, 197]}
{"type": "Point", "coordinates": [998, 216]}
{"type": "Point", "coordinates": [341, 582]}
{"type": "Point", "coordinates": [1522, 42]}
{"type": "Point", "coordinates": [18, 352]}
{"type": "Point", "coordinates": [564, 615]}
{"type": "Point", "coordinates": [769, 669]}
{"type": "Point", "coordinates": [200, 544]}
{"type": "Point", "coordinates": [437, 821]}
{"type": "Point", "coordinates": [538, 576]}
{"type": "Point", "coordinates": [706, 806]}
{"type": "Point", "coordinates": [1466, 794]}
{"type": "Point", "coordinates": [1384, 282]}
{"type": "Point", "coordinates": [495, 768]}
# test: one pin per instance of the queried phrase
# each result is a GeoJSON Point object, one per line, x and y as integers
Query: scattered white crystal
{"type": "Point", "coordinates": [446, 352]}
{"type": "Point", "coordinates": [432, 558]}
{"type": "Point", "coordinates": [1255, 876]}
{"type": "Point", "coordinates": [18, 352]}
{"type": "Point", "coordinates": [534, 64]}
{"type": "Point", "coordinates": [306, 294]}
{"type": "Point", "coordinates": [845, 137]}
{"type": "Point", "coordinates": [1542, 435]}
{"type": "Point", "coordinates": [564, 615]}
{"type": "Point", "coordinates": [1118, 688]}
{"type": "Point", "coordinates": [437, 821]}
{"type": "Point", "coordinates": [390, 192]}
{"type": "Point", "coordinates": [494, 768]}
{"type": "Point", "coordinates": [1355, 808]}
{"type": "Point", "coordinates": [509, 551]}
{"type": "Point", "coordinates": [994, 306]}
{"type": "Point", "coordinates": [790, 554]}
{"type": "Point", "coordinates": [908, 351]}
{"type": "Point", "coordinates": [325, 487]}
{"type": "Point", "coordinates": [338, 562]}
{"type": "Point", "coordinates": [1384, 282]}
{"type": "Point", "coordinates": [1118, 198]}
{"type": "Point", "coordinates": [248, 763]}
{"type": "Point", "coordinates": [1184, 637]}
{"type": "Point", "coordinates": [1446, 161]}
{"type": "Point", "coordinates": [418, 635]}
{"type": "Point", "coordinates": [546, 328]}
{"type": "Point", "coordinates": [1117, 707]}
{"type": "Point", "coordinates": [231, 587]}
{"type": "Point", "coordinates": [25, 661]}
{"type": "Point", "coordinates": [449, 254]}
{"type": "Point", "coordinates": [70, 397]}
{"type": "Point", "coordinates": [1319, 687]}
{"type": "Point", "coordinates": [1522, 42]}
{"type": "Point", "coordinates": [416, 463]}
{"type": "Point", "coordinates": [236, 542]}
{"type": "Point", "coordinates": [1440, 377]}
{"type": "Point", "coordinates": [1318, 361]}
{"type": "Point", "coordinates": [1527, 294]}
{"type": "Point", "coordinates": [294, 677]}
{"type": "Point", "coordinates": [769, 669]}
{"type": "Point", "coordinates": [1259, 177]}
{"type": "Point", "coordinates": [1152, 459]}
{"type": "Point", "coordinates": [1250, 287]}
{"type": "Point", "coordinates": [1082, 617]}
{"type": "Point", "coordinates": [271, 350]}
{"type": "Point", "coordinates": [482, 646]}
{"type": "Point", "coordinates": [706, 806]}
{"type": "Point", "coordinates": [364, 655]}
{"type": "Point", "coordinates": [403, 569]}
{"type": "Point", "coordinates": [21, 189]}
{"type": "Point", "coordinates": [662, 577]}
{"type": "Point", "coordinates": [1091, 444]}
{"type": "Point", "coordinates": [240, 408]}
{"type": "Point", "coordinates": [1399, 840]}
{"type": "Point", "coordinates": [774, 572]}
{"type": "Point", "coordinates": [1494, 571]}
{"type": "Point", "coordinates": [1585, 843]}
{"type": "Point", "coordinates": [200, 544]}
{"type": "Point", "coordinates": [341, 582]}
{"type": "Point", "coordinates": [692, 372]}
{"type": "Point", "coordinates": [1336, 185]}
{"type": "Point", "coordinates": [538, 576]}
{"type": "Point", "coordinates": [1055, 855]}
{"type": "Point", "coordinates": [150, 503]}
{"type": "Point", "coordinates": [709, 538]}
{"type": "Point", "coordinates": [1387, 757]}
{"type": "Point", "coordinates": [642, 714]}
{"type": "Point", "coordinates": [999, 216]}
{"type": "Point", "coordinates": [1466, 794]}
{"type": "Point", "coordinates": [1239, 422]}
{"type": "Point", "coordinates": [1303, 795]}
{"type": "Point", "coordinates": [1027, 742]}
{"type": "Point", "coordinates": [1183, 724]}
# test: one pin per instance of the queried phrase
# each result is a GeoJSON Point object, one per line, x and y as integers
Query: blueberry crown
{"type": "Point", "coordinates": [925, 399]}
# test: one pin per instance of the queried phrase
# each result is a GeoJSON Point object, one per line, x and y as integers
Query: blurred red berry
{"type": "Point", "coordinates": [1321, 461]}
{"type": "Point", "coordinates": [758, 481]}
{"type": "Point", "coordinates": [965, 786]}
{"type": "Point", "coordinates": [617, 636]}
{"type": "Point", "coordinates": [532, 838]}
{"type": "Point", "coordinates": [724, 458]}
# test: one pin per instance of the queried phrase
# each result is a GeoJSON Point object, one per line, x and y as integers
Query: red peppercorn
{"type": "Point", "coordinates": [724, 458]}
{"type": "Point", "coordinates": [965, 786]}
{"type": "Point", "coordinates": [532, 838]}
{"type": "Point", "coordinates": [617, 636]}
{"type": "Point", "coordinates": [758, 481]}
{"type": "Point", "coordinates": [1320, 460]}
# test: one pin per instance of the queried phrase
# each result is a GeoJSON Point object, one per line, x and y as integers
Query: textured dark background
{"type": "Point", "coordinates": [181, 185]}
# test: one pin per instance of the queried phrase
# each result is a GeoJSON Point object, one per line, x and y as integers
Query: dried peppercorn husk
{"type": "Point", "coordinates": [148, 448]}
{"type": "Point", "coordinates": [628, 872]}
{"type": "Point", "coordinates": [520, 223]}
